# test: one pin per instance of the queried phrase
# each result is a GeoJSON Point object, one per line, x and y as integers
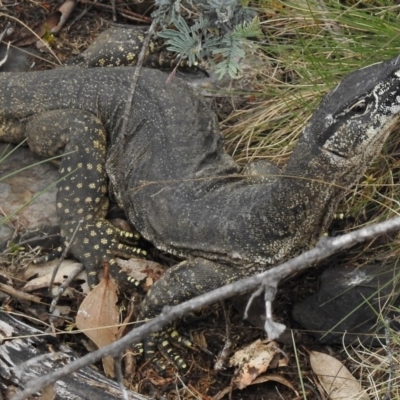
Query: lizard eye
{"type": "Point", "coordinates": [359, 108]}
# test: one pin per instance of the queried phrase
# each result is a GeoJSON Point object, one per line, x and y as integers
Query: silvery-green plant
{"type": "Point", "coordinates": [217, 32]}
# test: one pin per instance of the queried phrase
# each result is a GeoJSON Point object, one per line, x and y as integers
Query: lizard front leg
{"type": "Point", "coordinates": [82, 201]}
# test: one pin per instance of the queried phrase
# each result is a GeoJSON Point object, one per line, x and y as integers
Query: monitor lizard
{"type": "Point", "coordinates": [170, 174]}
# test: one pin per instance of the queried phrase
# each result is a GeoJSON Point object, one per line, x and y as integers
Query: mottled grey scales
{"type": "Point", "coordinates": [170, 174]}
{"type": "Point", "coordinates": [121, 46]}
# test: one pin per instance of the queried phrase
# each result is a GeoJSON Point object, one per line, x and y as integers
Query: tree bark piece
{"type": "Point", "coordinates": [29, 356]}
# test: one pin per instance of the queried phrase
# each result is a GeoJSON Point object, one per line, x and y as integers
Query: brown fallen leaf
{"type": "Point", "coordinates": [48, 393]}
{"type": "Point", "coordinates": [64, 11]}
{"type": "Point", "coordinates": [335, 378]}
{"type": "Point", "coordinates": [140, 269]}
{"type": "Point", "coordinates": [252, 361]}
{"type": "Point", "coordinates": [98, 318]}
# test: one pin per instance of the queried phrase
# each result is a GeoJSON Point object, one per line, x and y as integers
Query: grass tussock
{"type": "Point", "coordinates": [378, 367]}
{"type": "Point", "coordinates": [309, 47]}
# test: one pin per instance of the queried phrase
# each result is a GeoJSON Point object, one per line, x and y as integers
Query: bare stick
{"type": "Point", "coordinates": [64, 285]}
{"type": "Point", "coordinates": [323, 250]}
{"type": "Point", "coordinates": [128, 106]}
{"type": "Point", "coordinates": [18, 294]}
{"type": "Point", "coordinates": [63, 255]}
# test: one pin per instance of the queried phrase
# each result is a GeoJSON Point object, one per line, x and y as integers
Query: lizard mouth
{"type": "Point", "coordinates": [336, 154]}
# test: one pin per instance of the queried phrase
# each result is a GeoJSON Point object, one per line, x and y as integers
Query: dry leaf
{"type": "Point", "coordinates": [43, 273]}
{"type": "Point", "coordinates": [253, 361]}
{"type": "Point", "coordinates": [140, 269]}
{"type": "Point", "coordinates": [65, 11]}
{"type": "Point", "coordinates": [335, 378]}
{"type": "Point", "coordinates": [99, 310]}
{"type": "Point", "coordinates": [48, 393]}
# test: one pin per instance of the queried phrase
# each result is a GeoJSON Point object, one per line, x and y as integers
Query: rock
{"type": "Point", "coordinates": [18, 60]}
{"type": "Point", "coordinates": [351, 301]}
{"type": "Point", "coordinates": [20, 188]}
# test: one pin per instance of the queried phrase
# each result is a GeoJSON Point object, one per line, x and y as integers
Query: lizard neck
{"type": "Point", "coordinates": [304, 199]}
{"type": "Point", "coordinates": [308, 206]}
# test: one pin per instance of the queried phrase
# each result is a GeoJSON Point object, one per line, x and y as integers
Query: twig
{"type": "Point", "coordinates": [128, 106]}
{"type": "Point", "coordinates": [114, 10]}
{"type": "Point", "coordinates": [126, 13]}
{"type": "Point", "coordinates": [323, 250]}
{"type": "Point", "coordinates": [63, 255]}
{"type": "Point", "coordinates": [119, 375]}
{"type": "Point", "coordinates": [64, 285]}
{"type": "Point", "coordinates": [223, 356]}
{"type": "Point", "coordinates": [18, 294]}
{"type": "Point", "coordinates": [40, 236]}
{"type": "Point", "coordinates": [389, 353]}
{"type": "Point", "coordinates": [3, 61]}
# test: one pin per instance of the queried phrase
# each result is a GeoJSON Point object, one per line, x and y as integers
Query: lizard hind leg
{"type": "Point", "coordinates": [82, 201]}
{"type": "Point", "coordinates": [180, 283]}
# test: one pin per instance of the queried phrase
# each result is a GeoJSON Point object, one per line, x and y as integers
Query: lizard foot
{"type": "Point", "coordinates": [186, 280]}
{"type": "Point", "coordinates": [164, 342]}
{"type": "Point", "coordinates": [107, 234]}
{"type": "Point", "coordinates": [95, 242]}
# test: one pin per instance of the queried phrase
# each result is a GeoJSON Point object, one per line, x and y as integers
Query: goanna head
{"type": "Point", "coordinates": [351, 125]}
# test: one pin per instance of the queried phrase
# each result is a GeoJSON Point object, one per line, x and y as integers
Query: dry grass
{"type": "Point", "coordinates": [378, 367]}
{"type": "Point", "coordinates": [312, 48]}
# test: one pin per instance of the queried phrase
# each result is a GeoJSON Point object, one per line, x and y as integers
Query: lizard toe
{"type": "Point", "coordinates": [160, 349]}
{"type": "Point", "coordinates": [94, 243]}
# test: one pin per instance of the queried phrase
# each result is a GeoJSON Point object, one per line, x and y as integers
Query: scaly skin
{"type": "Point", "coordinates": [170, 174]}
{"type": "Point", "coordinates": [121, 46]}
